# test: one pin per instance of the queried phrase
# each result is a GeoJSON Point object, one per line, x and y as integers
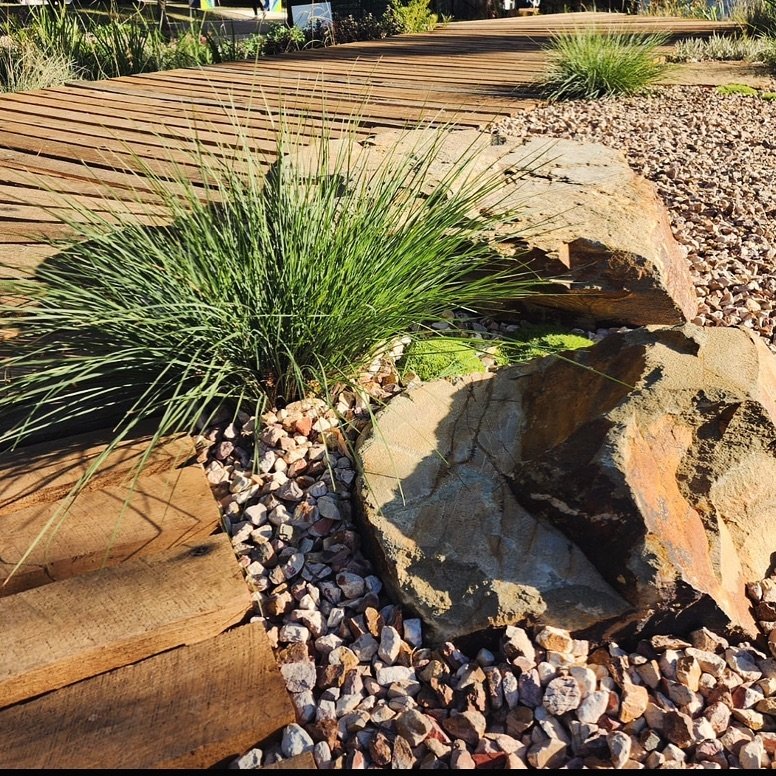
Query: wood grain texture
{"type": "Point", "coordinates": [46, 472]}
{"type": "Point", "coordinates": [467, 74]}
{"type": "Point", "coordinates": [161, 512]}
{"type": "Point", "coordinates": [191, 707]}
{"type": "Point", "coordinates": [81, 627]}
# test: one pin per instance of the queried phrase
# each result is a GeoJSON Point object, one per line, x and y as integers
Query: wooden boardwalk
{"type": "Point", "coordinates": [126, 640]}
{"type": "Point", "coordinates": [84, 139]}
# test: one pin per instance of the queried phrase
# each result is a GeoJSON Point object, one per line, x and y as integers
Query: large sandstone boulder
{"type": "Point", "coordinates": [584, 219]}
{"type": "Point", "coordinates": [629, 490]}
{"type": "Point", "coordinates": [453, 542]}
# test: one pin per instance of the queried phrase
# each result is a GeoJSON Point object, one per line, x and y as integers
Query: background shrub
{"type": "Point", "coordinates": [412, 16]}
{"type": "Point", "coordinates": [126, 43]}
{"type": "Point", "coordinates": [690, 9]}
{"type": "Point", "coordinates": [757, 16]}
{"type": "Point", "coordinates": [722, 48]}
{"type": "Point", "coordinates": [592, 64]}
{"type": "Point", "coordinates": [24, 67]}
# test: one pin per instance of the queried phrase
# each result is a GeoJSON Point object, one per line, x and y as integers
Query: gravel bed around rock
{"type": "Point", "coordinates": [370, 694]}
{"type": "Point", "coordinates": [368, 691]}
{"type": "Point", "coordinates": [712, 158]}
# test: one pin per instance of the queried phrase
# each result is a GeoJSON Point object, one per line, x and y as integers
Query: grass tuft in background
{"type": "Point", "coordinates": [592, 64]}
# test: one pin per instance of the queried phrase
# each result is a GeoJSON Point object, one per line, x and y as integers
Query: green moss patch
{"type": "Point", "coordinates": [742, 89]}
{"type": "Point", "coordinates": [534, 341]}
{"type": "Point", "coordinates": [438, 357]}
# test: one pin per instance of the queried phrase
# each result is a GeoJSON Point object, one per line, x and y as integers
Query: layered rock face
{"type": "Point", "coordinates": [630, 487]}
{"type": "Point", "coordinates": [578, 215]}
{"type": "Point", "coordinates": [452, 539]}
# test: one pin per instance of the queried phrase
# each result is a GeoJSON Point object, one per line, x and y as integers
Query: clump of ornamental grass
{"type": "Point", "coordinates": [267, 280]}
{"type": "Point", "coordinates": [722, 48]}
{"type": "Point", "coordinates": [589, 64]}
{"type": "Point", "coordinates": [25, 67]}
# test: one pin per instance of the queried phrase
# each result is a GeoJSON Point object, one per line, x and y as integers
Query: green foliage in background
{"type": "Point", "coordinates": [687, 9]}
{"type": "Point", "coordinates": [54, 44]}
{"type": "Point", "coordinates": [723, 48]}
{"type": "Point", "coordinates": [412, 16]}
{"type": "Point", "coordinates": [25, 67]}
{"type": "Point", "coordinates": [757, 16]}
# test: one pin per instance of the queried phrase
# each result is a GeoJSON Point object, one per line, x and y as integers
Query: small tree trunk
{"type": "Point", "coordinates": [163, 19]}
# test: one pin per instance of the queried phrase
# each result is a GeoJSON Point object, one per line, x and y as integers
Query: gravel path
{"type": "Point", "coordinates": [369, 692]}
{"type": "Point", "coordinates": [713, 159]}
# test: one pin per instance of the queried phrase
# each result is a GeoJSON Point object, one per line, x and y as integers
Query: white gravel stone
{"type": "Point", "coordinates": [256, 514]}
{"type": "Point", "coordinates": [347, 703]}
{"type": "Point", "coordinates": [413, 632]}
{"type": "Point", "coordinates": [751, 755]}
{"type": "Point", "coordinates": [585, 679]}
{"type": "Point", "coordinates": [322, 755]}
{"type": "Point", "coordinates": [592, 708]}
{"type": "Point", "coordinates": [250, 760]}
{"type": "Point", "coordinates": [414, 726]}
{"type": "Point", "coordinates": [295, 740]}
{"type": "Point", "coordinates": [327, 709]}
{"type": "Point", "coordinates": [299, 676]}
{"type": "Point", "coordinates": [312, 619]}
{"type": "Point", "coordinates": [518, 641]}
{"type": "Point", "coordinates": [743, 663]}
{"type": "Point", "coordinates": [327, 506]}
{"type": "Point", "coordinates": [620, 748]}
{"type": "Point", "coordinates": [304, 703]}
{"type": "Point", "coordinates": [390, 644]}
{"type": "Point", "coordinates": [510, 689]}
{"type": "Point", "coordinates": [352, 585]}
{"type": "Point", "coordinates": [390, 674]}
{"type": "Point", "coordinates": [294, 632]}
{"type": "Point", "coordinates": [562, 695]}
{"type": "Point", "coordinates": [365, 647]}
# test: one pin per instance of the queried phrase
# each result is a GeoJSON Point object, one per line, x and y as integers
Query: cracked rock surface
{"type": "Point", "coordinates": [452, 540]}
{"type": "Point", "coordinates": [623, 489]}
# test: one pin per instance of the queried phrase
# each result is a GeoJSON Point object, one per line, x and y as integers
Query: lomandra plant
{"type": "Point", "coordinates": [266, 281]}
{"type": "Point", "coordinates": [589, 64]}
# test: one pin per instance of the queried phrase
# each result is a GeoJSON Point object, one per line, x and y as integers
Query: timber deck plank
{"type": "Point", "coordinates": [71, 630]}
{"type": "Point", "coordinates": [108, 133]}
{"type": "Point", "coordinates": [190, 707]}
{"type": "Point", "coordinates": [104, 526]}
{"type": "Point", "coordinates": [45, 473]}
